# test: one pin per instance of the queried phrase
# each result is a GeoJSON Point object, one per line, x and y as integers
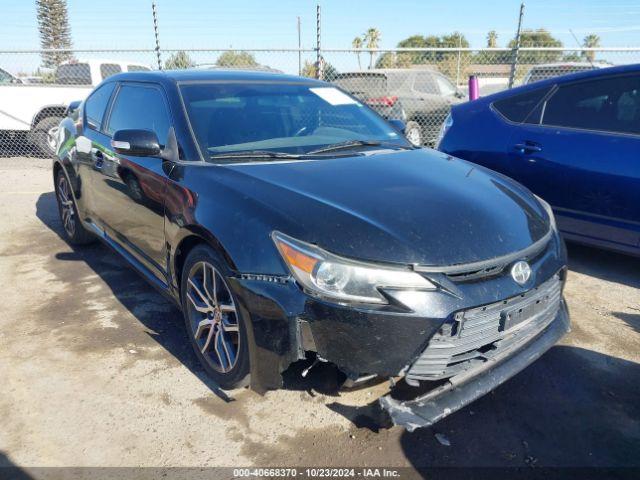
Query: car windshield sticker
{"type": "Point", "coordinates": [333, 96]}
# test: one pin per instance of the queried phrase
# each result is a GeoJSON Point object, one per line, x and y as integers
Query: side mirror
{"type": "Point", "coordinates": [73, 107]}
{"type": "Point", "coordinates": [139, 143]}
{"type": "Point", "coordinates": [398, 125]}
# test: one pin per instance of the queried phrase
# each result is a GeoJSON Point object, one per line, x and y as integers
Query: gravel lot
{"type": "Point", "coordinates": [96, 371]}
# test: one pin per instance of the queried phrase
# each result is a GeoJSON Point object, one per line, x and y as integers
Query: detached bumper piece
{"type": "Point", "coordinates": [472, 383]}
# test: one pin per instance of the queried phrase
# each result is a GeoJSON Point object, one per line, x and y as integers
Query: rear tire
{"type": "Point", "coordinates": [45, 136]}
{"type": "Point", "coordinates": [413, 133]}
{"type": "Point", "coordinates": [74, 231]}
{"type": "Point", "coordinates": [213, 321]}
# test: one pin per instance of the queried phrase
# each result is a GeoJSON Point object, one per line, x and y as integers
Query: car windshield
{"type": "Point", "coordinates": [286, 118]}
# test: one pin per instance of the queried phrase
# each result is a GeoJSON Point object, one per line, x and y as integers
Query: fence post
{"type": "Point", "coordinates": [459, 58]}
{"type": "Point", "coordinates": [299, 49]}
{"type": "Point", "coordinates": [319, 61]}
{"type": "Point", "coordinates": [514, 60]}
{"type": "Point", "coordinates": [155, 31]}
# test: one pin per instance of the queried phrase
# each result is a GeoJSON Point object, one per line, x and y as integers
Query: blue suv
{"type": "Point", "coordinates": [572, 140]}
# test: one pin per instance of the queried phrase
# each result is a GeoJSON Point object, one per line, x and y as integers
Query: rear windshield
{"type": "Point", "coordinates": [542, 73]}
{"type": "Point", "coordinates": [281, 117]}
{"type": "Point", "coordinates": [370, 85]}
{"type": "Point", "coordinates": [74, 74]}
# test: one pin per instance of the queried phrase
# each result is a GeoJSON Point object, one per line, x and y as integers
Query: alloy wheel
{"type": "Point", "coordinates": [52, 139]}
{"type": "Point", "coordinates": [213, 317]}
{"type": "Point", "coordinates": [65, 200]}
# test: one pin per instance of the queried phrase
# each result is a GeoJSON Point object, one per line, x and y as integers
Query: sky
{"type": "Point", "coordinates": [262, 24]}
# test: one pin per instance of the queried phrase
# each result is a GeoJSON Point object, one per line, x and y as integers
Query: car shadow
{"type": "Point", "coordinates": [167, 330]}
{"type": "Point", "coordinates": [571, 408]}
{"type": "Point", "coordinates": [604, 264]}
{"type": "Point", "coordinates": [10, 470]}
{"type": "Point", "coordinates": [126, 286]}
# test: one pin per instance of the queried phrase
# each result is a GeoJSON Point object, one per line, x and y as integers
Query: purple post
{"type": "Point", "coordinates": [474, 89]}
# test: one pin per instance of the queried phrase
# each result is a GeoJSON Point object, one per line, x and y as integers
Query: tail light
{"type": "Point", "coordinates": [384, 101]}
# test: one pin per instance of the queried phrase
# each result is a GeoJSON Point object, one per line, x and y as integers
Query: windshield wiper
{"type": "Point", "coordinates": [262, 154]}
{"type": "Point", "coordinates": [359, 143]}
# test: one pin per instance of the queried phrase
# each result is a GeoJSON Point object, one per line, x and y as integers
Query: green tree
{"type": "Point", "coordinates": [236, 59]}
{"type": "Point", "coordinates": [357, 44]}
{"type": "Point", "coordinates": [179, 61]}
{"type": "Point", "coordinates": [538, 38]}
{"type": "Point", "coordinates": [590, 41]}
{"type": "Point", "coordinates": [310, 70]}
{"type": "Point", "coordinates": [372, 39]}
{"type": "Point", "coordinates": [55, 33]}
{"type": "Point", "coordinates": [492, 39]}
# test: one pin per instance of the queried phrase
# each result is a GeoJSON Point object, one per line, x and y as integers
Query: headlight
{"type": "Point", "coordinates": [549, 210]}
{"type": "Point", "coordinates": [448, 123]}
{"type": "Point", "coordinates": [329, 276]}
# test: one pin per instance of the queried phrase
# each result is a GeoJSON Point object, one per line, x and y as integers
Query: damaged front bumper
{"type": "Point", "coordinates": [463, 389]}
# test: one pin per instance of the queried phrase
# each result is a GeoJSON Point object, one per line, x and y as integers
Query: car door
{"type": "Point", "coordinates": [89, 142]}
{"type": "Point", "coordinates": [129, 190]}
{"type": "Point", "coordinates": [582, 157]}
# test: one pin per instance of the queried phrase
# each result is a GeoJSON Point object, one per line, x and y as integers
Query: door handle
{"type": "Point", "coordinates": [527, 147]}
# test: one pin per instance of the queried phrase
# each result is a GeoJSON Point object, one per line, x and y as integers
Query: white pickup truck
{"type": "Point", "coordinates": [37, 109]}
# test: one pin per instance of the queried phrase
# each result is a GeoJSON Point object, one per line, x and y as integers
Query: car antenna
{"type": "Point", "coordinates": [578, 42]}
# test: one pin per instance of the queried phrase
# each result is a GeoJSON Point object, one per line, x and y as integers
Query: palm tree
{"type": "Point", "coordinates": [591, 41]}
{"type": "Point", "coordinates": [372, 37]}
{"type": "Point", "coordinates": [357, 44]}
{"type": "Point", "coordinates": [492, 39]}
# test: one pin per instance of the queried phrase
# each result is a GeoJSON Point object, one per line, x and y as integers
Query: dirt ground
{"type": "Point", "coordinates": [95, 370]}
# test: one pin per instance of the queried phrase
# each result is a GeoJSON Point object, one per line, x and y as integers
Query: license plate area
{"type": "Point", "coordinates": [518, 314]}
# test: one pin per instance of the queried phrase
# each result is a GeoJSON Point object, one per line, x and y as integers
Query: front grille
{"type": "Point", "coordinates": [480, 333]}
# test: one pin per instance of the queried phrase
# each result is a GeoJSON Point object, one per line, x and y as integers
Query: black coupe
{"type": "Point", "coordinates": [289, 220]}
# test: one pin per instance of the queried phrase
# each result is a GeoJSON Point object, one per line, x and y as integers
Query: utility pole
{"type": "Point", "coordinates": [155, 30]}
{"type": "Point", "coordinates": [514, 61]}
{"type": "Point", "coordinates": [319, 61]}
{"type": "Point", "coordinates": [299, 50]}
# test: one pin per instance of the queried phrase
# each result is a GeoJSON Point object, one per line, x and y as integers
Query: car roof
{"type": "Point", "coordinates": [202, 75]}
{"type": "Point", "coordinates": [583, 75]}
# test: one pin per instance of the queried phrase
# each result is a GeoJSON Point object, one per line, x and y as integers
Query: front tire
{"type": "Point", "coordinates": [74, 231]}
{"type": "Point", "coordinates": [413, 133]}
{"type": "Point", "coordinates": [214, 324]}
{"type": "Point", "coordinates": [45, 136]}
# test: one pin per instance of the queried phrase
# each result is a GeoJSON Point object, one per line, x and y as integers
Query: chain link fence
{"type": "Point", "coordinates": [418, 86]}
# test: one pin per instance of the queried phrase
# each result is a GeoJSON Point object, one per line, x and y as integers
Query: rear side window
{"type": "Point", "coordinates": [609, 104]}
{"type": "Point", "coordinates": [137, 68]}
{"type": "Point", "coordinates": [74, 74]}
{"type": "Point", "coordinates": [519, 108]}
{"type": "Point", "coordinates": [108, 69]}
{"type": "Point", "coordinates": [445, 86]}
{"type": "Point", "coordinates": [424, 83]}
{"type": "Point", "coordinates": [96, 104]}
{"type": "Point", "coordinates": [140, 107]}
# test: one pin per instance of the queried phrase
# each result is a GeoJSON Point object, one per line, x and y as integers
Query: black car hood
{"type": "Point", "coordinates": [415, 206]}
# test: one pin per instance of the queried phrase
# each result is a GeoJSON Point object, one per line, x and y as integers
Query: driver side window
{"type": "Point", "coordinates": [140, 107]}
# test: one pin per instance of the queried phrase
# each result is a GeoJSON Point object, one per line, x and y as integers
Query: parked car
{"type": "Point", "coordinates": [37, 108]}
{"type": "Point", "coordinates": [421, 98]}
{"type": "Point", "coordinates": [287, 221]}
{"type": "Point", "coordinates": [6, 77]}
{"type": "Point", "coordinates": [550, 70]}
{"type": "Point", "coordinates": [572, 140]}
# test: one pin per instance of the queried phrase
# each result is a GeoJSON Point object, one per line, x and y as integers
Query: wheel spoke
{"type": "Point", "coordinates": [203, 297]}
{"type": "Point", "coordinates": [202, 326]}
{"type": "Point", "coordinates": [227, 308]}
{"type": "Point", "coordinates": [209, 337]}
{"type": "Point", "coordinates": [199, 308]}
{"type": "Point", "coordinates": [225, 352]}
